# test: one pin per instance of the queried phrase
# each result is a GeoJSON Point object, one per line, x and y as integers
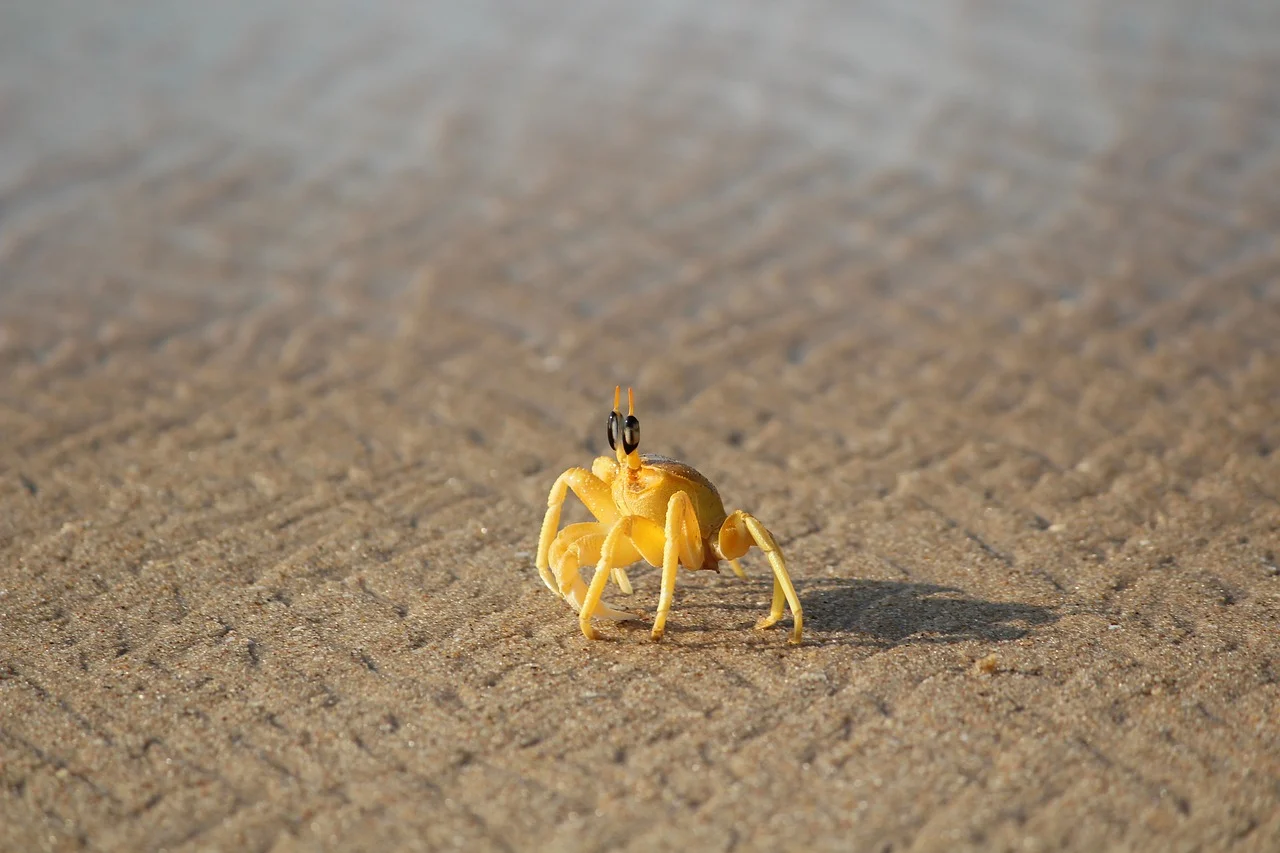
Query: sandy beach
{"type": "Point", "coordinates": [304, 307]}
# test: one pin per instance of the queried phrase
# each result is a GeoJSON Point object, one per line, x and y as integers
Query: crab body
{"type": "Point", "coordinates": [652, 508]}
{"type": "Point", "coordinates": [647, 492]}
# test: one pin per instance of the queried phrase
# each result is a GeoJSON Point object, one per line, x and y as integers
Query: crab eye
{"type": "Point", "coordinates": [631, 434]}
{"type": "Point", "coordinates": [615, 430]}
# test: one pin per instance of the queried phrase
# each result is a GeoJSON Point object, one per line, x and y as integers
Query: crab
{"type": "Point", "coordinates": [652, 508]}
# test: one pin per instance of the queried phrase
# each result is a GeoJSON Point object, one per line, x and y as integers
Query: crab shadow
{"type": "Point", "coordinates": [886, 613]}
{"type": "Point", "coordinates": [895, 612]}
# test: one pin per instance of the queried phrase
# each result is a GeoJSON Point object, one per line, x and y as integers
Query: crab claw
{"type": "Point", "coordinates": [576, 594]}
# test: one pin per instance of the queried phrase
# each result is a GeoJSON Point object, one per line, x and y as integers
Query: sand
{"type": "Point", "coordinates": [304, 306]}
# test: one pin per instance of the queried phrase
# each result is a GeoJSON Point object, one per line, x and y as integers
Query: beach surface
{"type": "Point", "coordinates": [305, 305]}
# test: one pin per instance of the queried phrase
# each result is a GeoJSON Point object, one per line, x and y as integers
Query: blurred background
{"type": "Point", "coordinates": [578, 162]}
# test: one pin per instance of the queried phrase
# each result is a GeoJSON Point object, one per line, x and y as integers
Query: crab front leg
{"type": "Point", "coordinates": [566, 537]}
{"type": "Point", "coordinates": [630, 539]}
{"type": "Point", "coordinates": [683, 542]}
{"type": "Point", "coordinates": [575, 545]}
{"type": "Point", "coordinates": [738, 533]}
{"type": "Point", "coordinates": [606, 469]}
{"type": "Point", "coordinates": [594, 494]}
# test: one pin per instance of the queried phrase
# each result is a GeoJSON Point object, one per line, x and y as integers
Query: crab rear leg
{"type": "Point", "coordinates": [742, 530]}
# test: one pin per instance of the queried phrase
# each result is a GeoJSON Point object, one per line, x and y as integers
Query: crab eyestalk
{"type": "Point", "coordinates": [624, 433]}
{"type": "Point", "coordinates": [631, 433]}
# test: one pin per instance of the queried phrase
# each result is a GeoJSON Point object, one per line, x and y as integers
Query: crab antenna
{"type": "Point", "coordinates": [617, 393]}
{"type": "Point", "coordinates": [631, 402]}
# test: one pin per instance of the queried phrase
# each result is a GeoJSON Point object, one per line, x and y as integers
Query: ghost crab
{"type": "Point", "coordinates": [652, 508]}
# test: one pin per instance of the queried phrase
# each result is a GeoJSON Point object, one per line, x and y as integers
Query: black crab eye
{"type": "Point", "coordinates": [615, 430]}
{"type": "Point", "coordinates": [631, 434]}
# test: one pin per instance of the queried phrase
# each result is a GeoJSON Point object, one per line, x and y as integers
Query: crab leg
{"type": "Point", "coordinates": [563, 539]}
{"type": "Point", "coordinates": [683, 542]}
{"type": "Point", "coordinates": [738, 533]}
{"type": "Point", "coordinates": [568, 535]}
{"type": "Point", "coordinates": [582, 545]}
{"type": "Point", "coordinates": [592, 491]}
{"type": "Point", "coordinates": [630, 539]}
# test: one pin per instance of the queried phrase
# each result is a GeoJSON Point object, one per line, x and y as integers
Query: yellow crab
{"type": "Point", "coordinates": [654, 508]}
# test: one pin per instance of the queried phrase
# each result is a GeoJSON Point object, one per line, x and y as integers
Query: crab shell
{"type": "Point", "coordinates": [647, 491]}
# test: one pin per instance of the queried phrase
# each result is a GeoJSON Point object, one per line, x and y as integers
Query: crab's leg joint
{"type": "Point", "coordinates": [738, 533]}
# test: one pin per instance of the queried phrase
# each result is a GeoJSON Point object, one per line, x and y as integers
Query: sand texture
{"type": "Point", "coordinates": [304, 306]}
